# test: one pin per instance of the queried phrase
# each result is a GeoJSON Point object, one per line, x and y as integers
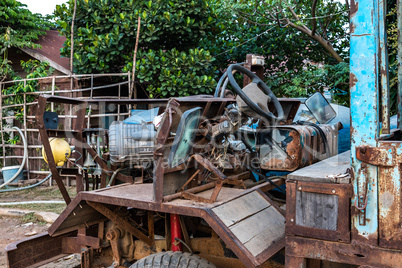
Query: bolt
{"type": "Point", "coordinates": [363, 150]}
{"type": "Point", "coordinates": [292, 220]}
{"type": "Point", "coordinates": [111, 235]}
{"type": "Point", "coordinates": [333, 191]}
{"type": "Point", "coordinates": [299, 188]}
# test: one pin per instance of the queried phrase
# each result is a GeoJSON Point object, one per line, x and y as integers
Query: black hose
{"type": "Point", "coordinates": [248, 146]}
{"type": "Point", "coordinates": [265, 177]}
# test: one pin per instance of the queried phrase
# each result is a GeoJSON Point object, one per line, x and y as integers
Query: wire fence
{"type": "Point", "coordinates": [19, 110]}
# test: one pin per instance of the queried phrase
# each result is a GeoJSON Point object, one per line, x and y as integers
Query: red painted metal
{"type": "Point", "coordinates": [175, 231]}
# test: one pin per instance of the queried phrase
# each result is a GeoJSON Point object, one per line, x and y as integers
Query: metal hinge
{"type": "Point", "coordinates": [377, 156]}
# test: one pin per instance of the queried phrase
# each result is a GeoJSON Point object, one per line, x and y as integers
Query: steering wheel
{"type": "Point", "coordinates": [220, 89]}
{"type": "Point", "coordinates": [255, 79]}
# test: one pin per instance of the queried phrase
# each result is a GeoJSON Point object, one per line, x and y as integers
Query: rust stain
{"type": "Point", "coordinates": [294, 152]}
{"type": "Point", "coordinates": [353, 81]}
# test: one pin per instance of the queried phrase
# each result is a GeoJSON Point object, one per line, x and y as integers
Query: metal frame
{"type": "Point", "coordinates": [375, 157]}
{"type": "Point", "coordinates": [35, 161]}
{"type": "Point", "coordinates": [344, 193]}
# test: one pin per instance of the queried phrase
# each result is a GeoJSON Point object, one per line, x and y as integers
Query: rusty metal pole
{"type": "Point", "coordinates": [364, 103]}
{"type": "Point", "coordinates": [385, 96]}
{"type": "Point", "coordinates": [399, 65]}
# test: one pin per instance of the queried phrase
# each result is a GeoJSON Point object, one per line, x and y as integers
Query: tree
{"type": "Point", "coordinates": [105, 36]}
{"type": "Point", "coordinates": [18, 28]}
{"type": "Point", "coordinates": [321, 21]}
{"type": "Point", "coordinates": [269, 28]}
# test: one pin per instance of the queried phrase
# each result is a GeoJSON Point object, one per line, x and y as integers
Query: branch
{"type": "Point", "coordinates": [313, 7]}
{"type": "Point", "coordinates": [324, 31]}
{"type": "Point", "coordinates": [324, 43]}
{"type": "Point", "coordinates": [298, 19]}
{"type": "Point", "coordinates": [254, 22]}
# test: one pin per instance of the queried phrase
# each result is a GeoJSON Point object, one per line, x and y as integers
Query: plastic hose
{"type": "Point", "coordinates": [23, 160]}
{"type": "Point", "coordinates": [27, 187]}
{"type": "Point", "coordinates": [114, 175]}
{"type": "Point", "coordinates": [33, 202]}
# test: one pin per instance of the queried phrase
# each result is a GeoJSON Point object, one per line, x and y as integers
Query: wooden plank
{"type": "Point", "coordinates": [319, 172]}
{"type": "Point", "coordinates": [261, 230]}
{"type": "Point", "coordinates": [234, 211]}
{"type": "Point", "coordinates": [317, 210]}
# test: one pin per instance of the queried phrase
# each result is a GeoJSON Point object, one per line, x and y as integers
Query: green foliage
{"type": "Point", "coordinates": [285, 48]}
{"type": "Point", "coordinates": [174, 73]}
{"type": "Point", "coordinates": [18, 28]}
{"type": "Point", "coordinates": [34, 69]}
{"type": "Point", "coordinates": [106, 30]}
{"type": "Point", "coordinates": [312, 78]}
{"type": "Point", "coordinates": [392, 32]}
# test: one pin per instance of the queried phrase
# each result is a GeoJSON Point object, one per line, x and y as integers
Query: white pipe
{"type": "Point", "coordinates": [33, 202]}
{"type": "Point", "coordinates": [24, 141]}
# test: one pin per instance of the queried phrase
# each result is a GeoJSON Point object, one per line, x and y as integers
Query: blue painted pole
{"type": "Point", "coordinates": [364, 90]}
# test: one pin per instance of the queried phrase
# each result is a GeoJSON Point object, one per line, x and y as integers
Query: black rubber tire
{"type": "Point", "coordinates": [172, 259]}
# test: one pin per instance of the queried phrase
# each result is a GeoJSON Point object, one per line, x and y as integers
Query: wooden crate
{"type": "Point", "coordinates": [318, 210]}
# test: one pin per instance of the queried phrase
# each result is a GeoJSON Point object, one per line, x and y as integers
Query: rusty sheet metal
{"type": "Point", "coordinates": [378, 156]}
{"type": "Point", "coordinates": [389, 200]}
{"type": "Point", "coordinates": [364, 103]}
{"type": "Point", "coordinates": [344, 193]}
{"type": "Point", "coordinates": [139, 196]}
{"type": "Point", "coordinates": [287, 148]}
{"type": "Point", "coordinates": [39, 248]}
{"type": "Point", "coordinates": [299, 248]}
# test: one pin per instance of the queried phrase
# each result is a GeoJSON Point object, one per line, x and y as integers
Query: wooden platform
{"type": "Point", "coordinates": [323, 170]}
{"type": "Point", "coordinates": [246, 220]}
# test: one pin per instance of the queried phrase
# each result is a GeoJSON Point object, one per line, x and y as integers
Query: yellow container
{"type": "Point", "coordinates": [61, 151]}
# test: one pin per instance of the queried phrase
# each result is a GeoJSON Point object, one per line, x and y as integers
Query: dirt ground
{"type": "Point", "coordinates": [14, 229]}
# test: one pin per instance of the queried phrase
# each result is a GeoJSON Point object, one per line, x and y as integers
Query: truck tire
{"type": "Point", "coordinates": [172, 259]}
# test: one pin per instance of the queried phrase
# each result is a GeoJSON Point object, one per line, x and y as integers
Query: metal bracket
{"type": "Point", "coordinates": [377, 156]}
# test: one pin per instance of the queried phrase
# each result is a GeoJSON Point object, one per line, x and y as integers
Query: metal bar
{"type": "Point", "coordinates": [120, 222]}
{"type": "Point", "coordinates": [26, 132]}
{"type": "Point", "coordinates": [151, 226]}
{"type": "Point", "coordinates": [79, 123]}
{"type": "Point", "coordinates": [399, 13]}
{"type": "Point", "coordinates": [70, 90]}
{"type": "Point", "coordinates": [68, 76]}
{"type": "Point", "coordinates": [53, 84]}
{"type": "Point", "coordinates": [364, 82]}
{"type": "Point", "coordinates": [52, 165]}
{"type": "Point", "coordinates": [129, 84]}
{"type": "Point", "coordinates": [1, 124]}
{"type": "Point", "coordinates": [118, 106]}
{"type": "Point", "coordinates": [193, 190]}
{"type": "Point", "coordinates": [90, 106]}
{"type": "Point", "coordinates": [385, 97]}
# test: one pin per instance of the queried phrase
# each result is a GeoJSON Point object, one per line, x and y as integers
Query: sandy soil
{"type": "Point", "coordinates": [13, 229]}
